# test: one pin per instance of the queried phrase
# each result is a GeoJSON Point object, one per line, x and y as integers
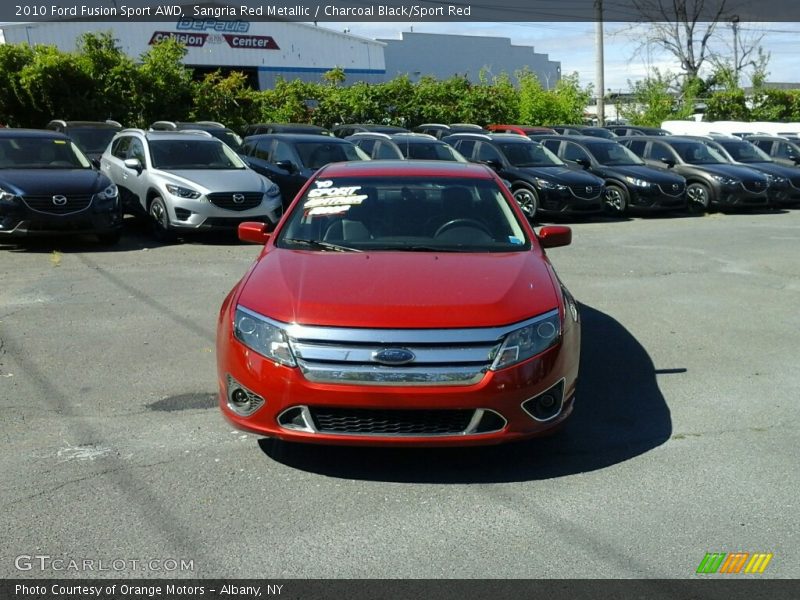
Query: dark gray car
{"type": "Point", "coordinates": [710, 179]}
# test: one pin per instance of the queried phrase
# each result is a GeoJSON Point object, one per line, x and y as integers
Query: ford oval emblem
{"type": "Point", "coordinates": [393, 356]}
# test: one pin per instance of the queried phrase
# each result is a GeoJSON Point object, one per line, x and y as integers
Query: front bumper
{"type": "Point", "coordinates": [739, 196]}
{"type": "Point", "coordinates": [20, 221]}
{"type": "Point", "coordinates": [570, 202]}
{"type": "Point", "coordinates": [201, 215]}
{"type": "Point", "coordinates": [494, 410]}
{"type": "Point", "coordinates": [656, 197]}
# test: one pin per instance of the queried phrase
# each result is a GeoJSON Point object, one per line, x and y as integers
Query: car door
{"type": "Point", "coordinates": [657, 152]}
{"type": "Point", "coordinates": [137, 181]}
{"type": "Point", "coordinates": [112, 165]}
{"type": "Point", "coordinates": [571, 153]}
{"type": "Point", "coordinates": [785, 153]}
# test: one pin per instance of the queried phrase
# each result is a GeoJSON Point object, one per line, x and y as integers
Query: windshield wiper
{"type": "Point", "coordinates": [419, 248]}
{"type": "Point", "coordinates": [321, 245]}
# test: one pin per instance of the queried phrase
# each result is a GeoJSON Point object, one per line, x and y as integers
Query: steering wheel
{"type": "Point", "coordinates": [463, 223]}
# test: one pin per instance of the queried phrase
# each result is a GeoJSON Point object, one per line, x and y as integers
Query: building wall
{"type": "Point", "coordinates": [442, 56]}
{"type": "Point", "coordinates": [291, 50]}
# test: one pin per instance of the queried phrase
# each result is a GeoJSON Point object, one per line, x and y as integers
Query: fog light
{"type": "Point", "coordinates": [241, 400]}
{"type": "Point", "coordinates": [546, 405]}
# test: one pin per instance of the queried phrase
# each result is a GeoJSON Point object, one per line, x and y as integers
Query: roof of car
{"type": "Point", "coordinates": [581, 139]}
{"type": "Point", "coordinates": [298, 137]}
{"type": "Point", "coordinates": [32, 133]}
{"type": "Point", "coordinates": [406, 168]}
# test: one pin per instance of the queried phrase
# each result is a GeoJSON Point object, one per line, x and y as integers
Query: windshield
{"type": "Point", "coordinates": [318, 154]}
{"type": "Point", "coordinates": [527, 154]}
{"type": "Point", "coordinates": [745, 152]}
{"type": "Point", "coordinates": [411, 214]}
{"type": "Point", "coordinates": [227, 136]}
{"type": "Point", "coordinates": [92, 139]}
{"type": "Point", "coordinates": [429, 151]}
{"type": "Point", "coordinates": [41, 153]}
{"type": "Point", "coordinates": [174, 155]}
{"type": "Point", "coordinates": [697, 153]}
{"type": "Point", "coordinates": [613, 155]}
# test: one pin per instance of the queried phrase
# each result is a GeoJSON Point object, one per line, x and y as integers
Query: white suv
{"type": "Point", "coordinates": [187, 181]}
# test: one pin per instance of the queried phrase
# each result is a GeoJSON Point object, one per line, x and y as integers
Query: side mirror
{"type": "Point", "coordinates": [584, 162]}
{"type": "Point", "coordinates": [493, 163]}
{"type": "Point", "coordinates": [795, 159]}
{"type": "Point", "coordinates": [668, 161]}
{"type": "Point", "coordinates": [253, 232]}
{"type": "Point", "coordinates": [286, 165]}
{"type": "Point", "coordinates": [134, 164]}
{"type": "Point", "coordinates": [95, 162]}
{"type": "Point", "coordinates": [554, 236]}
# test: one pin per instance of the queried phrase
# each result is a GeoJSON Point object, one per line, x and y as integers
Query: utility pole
{"type": "Point", "coordinates": [599, 76]}
{"type": "Point", "coordinates": [735, 25]}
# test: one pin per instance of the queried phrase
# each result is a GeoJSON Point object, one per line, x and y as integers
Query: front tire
{"type": "Point", "coordinates": [528, 201]}
{"type": "Point", "coordinates": [162, 230]}
{"type": "Point", "coordinates": [698, 196]}
{"type": "Point", "coordinates": [617, 199]}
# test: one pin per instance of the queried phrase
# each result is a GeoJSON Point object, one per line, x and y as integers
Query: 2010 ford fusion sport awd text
{"type": "Point", "coordinates": [406, 304]}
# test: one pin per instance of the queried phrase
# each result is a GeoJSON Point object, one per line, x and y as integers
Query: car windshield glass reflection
{"type": "Point", "coordinates": [613, 155]}
{"type": "Point", "coordinates": [318, 154]}
{"type": "Point", "coordinates": [229, 137]}
{"type": "Point", "coordinates": [746, 152]}
{"type": "Point", "coordinates": [406, 214]}
{"type": "Point", "coordinates": [697, 153]}
{"type": "Point", "coordinates": [173, 155]}
{"type": "Point", "coordinates": [41, 153]}
{"type": "Point", "coordinates": [529, 155]}
{"type": "Point", "coordinates": [94, 139]}
{"type": "Point", "coordinates": [429, 151]}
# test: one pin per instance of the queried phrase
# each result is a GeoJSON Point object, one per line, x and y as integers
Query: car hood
{"type": "Point", "coordinates": [646, 173]}
{"type": "Point", "coordinates": [775, 169]}
{"type": "Point", "coordinates": [42, 182]}
{"type": "Point", "coordinates": [731, 170]}
{"type": "Point", "coordinates": [563, 175]}
{"type": "Point", "coordinates": [399, 289]}
{"type": "Point", "coordinates": [219, 180]}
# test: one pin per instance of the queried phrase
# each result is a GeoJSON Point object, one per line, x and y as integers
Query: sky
{"type": "Point", "coordinates": [573, 44]}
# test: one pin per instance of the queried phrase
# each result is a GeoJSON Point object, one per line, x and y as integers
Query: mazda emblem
{"type": "Point", "coordinates": [59, 200]}
{"type": "Point", "coordinates": [675, 187]}
{"type": "Point", "coordinates": [589, 189]}
{"type": "Point", "coordinates": [393, 356]}
{"type": "Point", "coordinates": [238, 198]}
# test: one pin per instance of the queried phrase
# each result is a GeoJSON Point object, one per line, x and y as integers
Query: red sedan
{"type": "Point", "coordinates": [404, 303]}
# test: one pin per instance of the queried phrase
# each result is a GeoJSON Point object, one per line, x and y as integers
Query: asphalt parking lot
{"type": "Point", "coordinates": [684, 438]}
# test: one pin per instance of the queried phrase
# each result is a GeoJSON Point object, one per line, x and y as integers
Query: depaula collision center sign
{"type": "Point", "coordinates": [195, 33]}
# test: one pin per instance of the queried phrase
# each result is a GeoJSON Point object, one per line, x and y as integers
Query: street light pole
{"type": "Point", "coordinates": [735, 25]}
{"type": "Point", "coordinates": [600, 85]}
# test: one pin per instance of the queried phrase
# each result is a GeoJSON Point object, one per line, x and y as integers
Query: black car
{"type": "Point", "coordinates": [92, 137]}
{"type": "Point", "coordinates": [289, 159]}
{"type": "Point", "coordinates": [784, 182]}
{"type": "Point", "coordinates": [600, 132]}
{"type": "Point", "coordinates": [48, 186]}
{"type": "Point", "coordinates": [783, 150]}
{"type": "Point", "coordinates": [260, 128]}
{"type": "Point", "coordinates": [440, 130]}
{"type": "Point", "coordinates": [218, 130]}
{"type": "Point", "coordinates": [630, 183]}
{"type": "Point", "coordinates": [343, 131]}
{"type": "Point", "coordinates": [628, 130]}
{"type": "Point", "coordinates": [403, 146]}
{"type": "Point", "coordinates": [540, 181]}
{"type": "Point", "coordinates": [710, 179]}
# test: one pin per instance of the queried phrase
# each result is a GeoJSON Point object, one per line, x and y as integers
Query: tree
{"type": "Point", "coordinates": [688, 30]}
{"type": "Point", "coordinates": [652, 100]}
{"type": "Point", "coordinates": [166, 84]}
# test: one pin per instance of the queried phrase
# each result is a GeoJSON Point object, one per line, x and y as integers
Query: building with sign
{"type": "Point", "coordinates": [264, 50]}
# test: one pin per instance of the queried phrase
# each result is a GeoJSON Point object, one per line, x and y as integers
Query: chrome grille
{"type": "Point", "coordinates": [351, 356]}
{"type": "Point", "coordinates": [754, 186]}
{"type": "Point", "coordinates": [587, 192]}
{"type": "Point", "coordinates": [668, 190]}
{"type": "Point", "coordinates": [235, 200]}
{"type": "Point", "coordinates": [45, 204]}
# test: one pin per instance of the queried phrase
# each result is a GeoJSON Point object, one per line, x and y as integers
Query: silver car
{"type": "Point", "coordinates": [187, 181]}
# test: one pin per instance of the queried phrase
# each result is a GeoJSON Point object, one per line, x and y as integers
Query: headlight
{"type": "Point", "coordinates": [549, 185]}
{"type": "Point", "coordinates": [637, 182]}
{"type": "Point", "coordinates": [107, 194]}
{"type": "Point", "coordinates": [7, 197]}
{"type": "Point", "coordinates": [776, 179]}
{"type": "Point", "coordinates": [528, 341]}
{"type": "Point", "coordinates": [725, 180]}
{"type": "Point", "coordinates": [182, 192]}
{"type": "Point", "coordinates": [273, 191]}
{"type": "Point", "coordinates": [263, 337]}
